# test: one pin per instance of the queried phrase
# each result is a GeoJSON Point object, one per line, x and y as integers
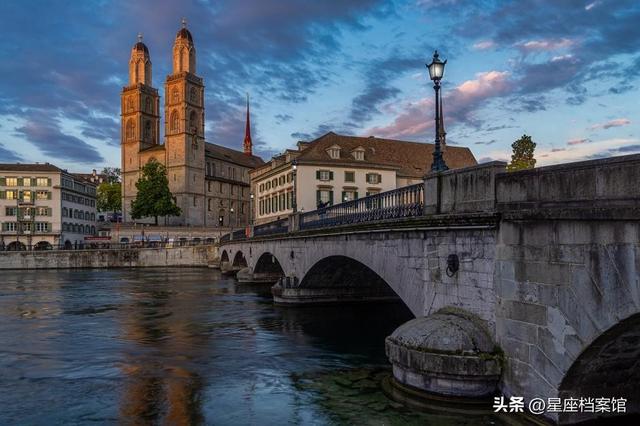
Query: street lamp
{"type": "Point", "coordinates": [232, 217]}
{"type": "Point", "coordinates": [294, 203]}
{"type": "Point", "coordinates": [436, 72]}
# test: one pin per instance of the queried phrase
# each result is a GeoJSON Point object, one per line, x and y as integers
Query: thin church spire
{"type": "Point", "coordinates": [248, 146]}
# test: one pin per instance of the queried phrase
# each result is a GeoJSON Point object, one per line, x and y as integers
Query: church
{"type": "Point", "coordinates": [210, 183]}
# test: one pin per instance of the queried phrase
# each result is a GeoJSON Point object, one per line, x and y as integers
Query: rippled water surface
{"type": "Point", "coordinates": [187, 346]}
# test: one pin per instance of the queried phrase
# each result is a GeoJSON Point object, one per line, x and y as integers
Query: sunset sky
{"type": "Point", "coordinates": [565, 72]}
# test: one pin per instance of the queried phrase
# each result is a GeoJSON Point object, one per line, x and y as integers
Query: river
{"type": "Point", "coordinates": [189, 346]}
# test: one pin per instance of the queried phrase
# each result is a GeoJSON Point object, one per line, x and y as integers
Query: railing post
{"type": "Point", "coordinates": [294, 222]}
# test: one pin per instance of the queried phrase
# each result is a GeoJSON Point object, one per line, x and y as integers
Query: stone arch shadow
{"type": "Point", "coordinates": [224, 257]}
{"type": "Point", "coordinates": [239, 260]}
{"type": "Point", "coordinates": [608, 367]}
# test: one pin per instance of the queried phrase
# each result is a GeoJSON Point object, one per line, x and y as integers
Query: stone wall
{"type": "Point", "coordinates": [126, 258]}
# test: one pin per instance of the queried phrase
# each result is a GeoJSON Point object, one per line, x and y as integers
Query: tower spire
{"type": "Point", "coordinates": [248, 148]}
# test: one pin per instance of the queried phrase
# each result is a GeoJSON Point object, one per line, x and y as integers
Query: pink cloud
{"type": "Point", "coordinates": [611, 123]}
{"type": "Point", "coordinates": [546, 45]}
{"type": "Point", "coordinates": [484, 45]}
{"type": "Point", "coordinates": [417, 117]}
{"type": "Point", "coordinates": [577, 141]}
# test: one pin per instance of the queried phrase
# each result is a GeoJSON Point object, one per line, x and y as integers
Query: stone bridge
{"type": "Point", "coordinates": [547, 259]}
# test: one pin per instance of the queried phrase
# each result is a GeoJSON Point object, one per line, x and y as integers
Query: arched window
{"type": "Point", "coordinates": [193, 122]}
{"type": "Point", "coordinates": [193, 95]}
{"type": "Point", "coordinates": [174, 121]}
{"type": "Point", "coordinates": [147, 130]}
{"type": "Point", "coordinates": [147, 105]}
{"type": "Point", "coordinates": [130, 129]}
{"type": "Point", "coordinates": [130, 103]}
{"type": "Point", "coordinates": [175, 95]}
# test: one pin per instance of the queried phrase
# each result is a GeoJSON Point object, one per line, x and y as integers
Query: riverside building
{"type": "Point", "coordinates": [43, 206]}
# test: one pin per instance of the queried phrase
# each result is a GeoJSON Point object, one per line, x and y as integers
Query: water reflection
{"type": "Point", "coordinates": [185, 346]}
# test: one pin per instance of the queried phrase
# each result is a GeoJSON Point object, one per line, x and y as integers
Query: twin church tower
{"type": "Point", "coordinates": [183, 151]}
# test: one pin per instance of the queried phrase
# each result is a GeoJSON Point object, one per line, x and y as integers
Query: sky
{"type": "Point", "coordinates": [565, 72]}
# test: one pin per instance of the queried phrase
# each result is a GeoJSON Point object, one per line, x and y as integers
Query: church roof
{"type": "Point", "coordinates": [141, 47]}
{"type": "Point", "coordinates": [185, 34]}
{"type": "Point", "coordinates": [227, 154]}
{"type": "Point", "coordinates": [412, 159]}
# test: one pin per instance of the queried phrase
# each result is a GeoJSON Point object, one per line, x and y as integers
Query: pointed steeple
{"type": "Point", "coordinates": [248, 147]}
{"type": "Point", "coordinates": [443, 134]}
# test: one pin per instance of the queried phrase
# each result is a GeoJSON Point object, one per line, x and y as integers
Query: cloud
{"type": "Point", "coordinates": [546, 45]}
{"type": "Point", "coordinates": [8, 156]}
{"type": "Point", "coordinates": [611, 123]}
{"type": "Point", "coordinates": [577, 141]}
{"type": "Point", "coordinates": [491, 142]}
{"type": "Point", "coordinates": [484, 45]}
{"type": "Point", "coordinates": [591, 5]}
{"type": "Point", "coordinates": [283, 118]}
{"type": "Point", "coordinates": [47, 136]}
{"type": "Point", "coordinates": [459, 105]}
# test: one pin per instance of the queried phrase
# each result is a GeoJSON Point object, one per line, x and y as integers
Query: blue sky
{"type": "Point", "coordinates": [565, 72]}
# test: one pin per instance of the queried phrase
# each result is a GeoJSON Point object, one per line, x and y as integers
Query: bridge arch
{"type": "Point", "coordinates": [239, 260]}
{"type": "Point", "coordinates": [224, 257]}
{"type": "Point", "coordinates": [608, 367]}
{"type": "Point", "coordinates": [268, 263]}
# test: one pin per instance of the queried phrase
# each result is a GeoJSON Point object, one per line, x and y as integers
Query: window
{"type": "Point", "coordinates": [334, 152]}
{"type": "Point", "coordinates": [262, 187]}
{"type": "Point", "coordinates": [274, 183]}
{"type": "Point", "coordinates": [193, 122]}
{"type": "Point", "coordinates": [268, 185]}
{"type": "Point", "coordinates": [324, 197]}
{"type": "Point", "coordinates": [9, 226]}
{"type": "Point", "coordinates": [147, 105]}
{"type": "Point", "coordinates": [281, 180]}
{"type": "Point", "coordinates": [42, 211]}
{"type": "Point", "coordinates": [231, 187]}
{"type": "Point", "coordinates": [349, 196]}
{"type": "Point", "coordinates": [11, 181]}
{"type": "Point", "coordinates": [175, 95]}
{"type": "Point", "coordinates": [175, 124]}
{"type": "Point", "coordinates": [42, 182]}
{"type": "Point", "coordinates": [193, 95]}
{"type": "Point", "coordinates": [130, 129]}
{"type": "Point", "coordinates": [208, 169]}
{"type": "Point", "coordinates": [42, 195]}
{"type": "Point", "coordinates": [209, 203]}
{"type": "Point", "coordinates": [147, 130]}
{"type": "Point", "coordinates": [289, 200]}
{"type": "Point", "coordinates": [11, 211]}
{"type": "Point", "coordinates": [26, 196]}
{"type": "Point", "coordinates": [221, 188]}
{"type": "Point", "coordinates": [358, 154]}
{"type": "Point", "coordinates": [42, 226]}
{"type": "Point", "coordinates": [282, 202]}
{"type": "Point", "coordinates": [324, 175]}
{"type": "Point", "coordinates": [349, 176]}
{"type": "Point", "coordinates": [374, 178]}
{"type": "Point", "coordinates": [289, 177]}
{"type": "Point", "coordinates": [26, 181]}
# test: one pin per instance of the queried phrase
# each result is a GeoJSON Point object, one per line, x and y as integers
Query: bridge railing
{"type": "Point", "coordinates": [239, 234]}
{"type": "Point", "coordinates": [276, 227]}
{"type": "Point", "coordinates": [402, 202]}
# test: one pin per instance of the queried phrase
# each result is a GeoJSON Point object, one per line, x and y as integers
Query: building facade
{"type": "Point", "coordinates": [191, 163]}
{"type": "Point", "coordinates": [43, 206]}
{"type": "Point", "coordinates": [336, 168]}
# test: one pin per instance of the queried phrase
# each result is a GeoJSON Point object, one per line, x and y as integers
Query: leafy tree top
{"type": "Point", "coordinates": [522, 157]}
{"type": "Point", "coordinates": [154, 197]}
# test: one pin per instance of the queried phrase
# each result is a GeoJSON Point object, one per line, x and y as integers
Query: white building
{"type": "Point", "coordinates": [43, 206]}
{"type": "Point", "coordinates": [335, 168]}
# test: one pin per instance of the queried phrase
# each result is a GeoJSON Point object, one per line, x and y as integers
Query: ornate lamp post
{"type": "Point", "coordinates": [294, 203]}
{"type": "Point", "coordinates": [436, 71]}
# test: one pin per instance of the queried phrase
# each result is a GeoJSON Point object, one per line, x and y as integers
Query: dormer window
{"type": "Point", "coordinates": [334, 152]}
{"type": "Point", "coordinates": [358, 153]}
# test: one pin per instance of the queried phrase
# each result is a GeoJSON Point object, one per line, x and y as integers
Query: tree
{"type": "Point", "coordinates": [109, 197]}
{"type": "Point", "coordinates": [111, 174]}
{"type": "Point", "coordinates": [522, 157]}
{"type": "Point", "coordinates": [154, 198]}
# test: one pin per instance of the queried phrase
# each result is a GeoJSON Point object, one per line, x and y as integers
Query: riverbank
{"type": "Point", "coordinates": [191, 256]}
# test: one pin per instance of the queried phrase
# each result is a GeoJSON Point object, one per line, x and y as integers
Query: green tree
{"type": "Point", "coordinates": [111, 174]}
{"type": "Point", "coordinates": [154, 198]}
{"type": "Point", "coordinates": [109, 197]}
{"type": "Point", "coordinates": [522, 157]}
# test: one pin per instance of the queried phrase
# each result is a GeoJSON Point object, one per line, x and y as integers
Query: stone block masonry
{"type": "Point", "coordinates": [194, 256]}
